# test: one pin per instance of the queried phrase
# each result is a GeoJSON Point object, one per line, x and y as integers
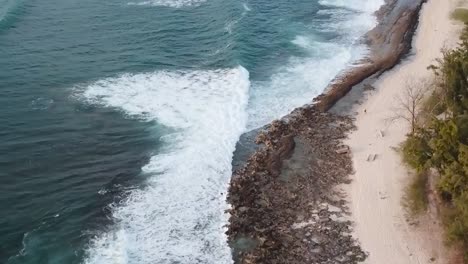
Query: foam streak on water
{"type": "Point", "coordinates": [296, 83]}
{"type": "Point", "coordinates": [178, 217]}
{"type": "Point", "coordinates": [169, 3]}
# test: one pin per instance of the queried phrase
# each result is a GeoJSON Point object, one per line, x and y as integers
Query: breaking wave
{"type": "Point", "coordinates": [178, 217]}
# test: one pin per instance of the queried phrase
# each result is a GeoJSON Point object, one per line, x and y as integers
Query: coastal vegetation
{"type": "Point", "coordinates": [460, 14]}
{"type": "Point", "coordinates": [437, 146]}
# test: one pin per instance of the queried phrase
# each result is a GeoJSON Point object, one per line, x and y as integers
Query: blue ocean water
{"type": "Point", "coordinates": [119, 119]}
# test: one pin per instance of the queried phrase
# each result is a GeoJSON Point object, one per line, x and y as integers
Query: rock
{"type": "Point", "coordinates": [317, 250]}
{"type": "Point", "coordinates": [341, 259]}
{"type": "Point", "coordinates": [371, 157]}
{"type": "Point", "coordinates": [342, 150]}
{"type": "Point", "coordinates": [333, 209]}
{"type": "Point", "coordinates": [316, 240]}
{"type": "Point", "coordinates": [262, 203]}
{"type": "Point", "coordinates": [381, 133]}
{"type": "Point", "coordinates": [274, 160]}
{"type": "Point", "coordinates": [368, 87]}
{"type": "Point", "coordinates": [323, 219]}
{"type": "Point", "coordinates": [261, 138]}
{"type": "Point", "coordinates": [243, 209]}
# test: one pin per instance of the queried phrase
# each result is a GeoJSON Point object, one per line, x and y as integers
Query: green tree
{"type": "Point", "coordinates": [416, 151]}
{"type": "Point", "coordinates": [457, 228]}
{"type": "Point", "coordinates": [454, 73]}
{"type": "Point", "coordinates": [444, 143]}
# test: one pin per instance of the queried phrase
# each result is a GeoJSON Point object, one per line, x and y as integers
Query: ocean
{"type": "Point", "coordinates": [119, 119]}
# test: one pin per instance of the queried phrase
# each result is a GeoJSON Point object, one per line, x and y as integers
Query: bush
{"type": "Point", "coordinates": [433, 105]}
{"type": "Point", "coordinates": [457, 222]}
{"type": "Point", "coordinates": [415, 194]}
{"type": "Point", "coordinates": [462, 124]}
{"type": "Point", "coordinates": [416, 152]}
{"type": "Point", "coordinates": [454, 73]}
{"type": "Point", "coordinates": [444, 143]}
{"type": "Point", "coordinates": [460, 14]}
{"type": "Point", "coordinates": [453, 181]}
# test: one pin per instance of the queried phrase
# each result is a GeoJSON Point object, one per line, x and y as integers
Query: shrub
{"type": "Point", "coordinates": [434, 106]}
{"type": "Point", "coordinates": [460, 14]}
{"type": "Point", "coordinates": [457, 222]}
{"type": "Point", "coordinates": [415, 194]}
{"type": "Point", "coordinates": [416, 152]}
{"type": "Point", "coordinates": [453, 181]}
{"type": "Point", "coordinates": [444, 143]}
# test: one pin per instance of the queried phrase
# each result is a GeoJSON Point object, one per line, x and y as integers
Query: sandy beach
{"type": "Point", "coordinates": [377, 187]}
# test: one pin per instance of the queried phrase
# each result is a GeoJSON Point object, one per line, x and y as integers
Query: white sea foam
{"type": "Point", "coordinates": [231, 24]}
{"type": "Point", "coordinates": [41, 103]}
{"type": "Point", "coordinates": [299, 81]}
{"type": "Point", "coordinates": [368, 6]}
{"type": "Point", "coordinates": [246, 7]}
{"type": "Point", "coordinates": [169, 3]}
{"type": "Point", "coordinates": [353, 17]}
{"type": "Point", "coordinates": [178, 217]}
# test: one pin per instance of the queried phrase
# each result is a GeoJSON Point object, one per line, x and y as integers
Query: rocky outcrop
{"type": "Point", "coordinates": [294, 215]}
{"type": "Point", "coordinates": [389, 41]}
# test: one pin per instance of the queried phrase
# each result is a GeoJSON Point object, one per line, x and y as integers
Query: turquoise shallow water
{"type": "Point", "coordinates": [119, 118]}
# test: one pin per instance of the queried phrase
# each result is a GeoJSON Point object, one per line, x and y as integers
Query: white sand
{"type": "Point", "coordinates": [377, 186]}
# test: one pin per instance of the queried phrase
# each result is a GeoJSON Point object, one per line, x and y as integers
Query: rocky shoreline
{"type": "Point", "coordinates": [282, 203]}
{"type": "Point", "coordinates": [389, 42]}
{"type": "Point", "coordinates": [285, 204]}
